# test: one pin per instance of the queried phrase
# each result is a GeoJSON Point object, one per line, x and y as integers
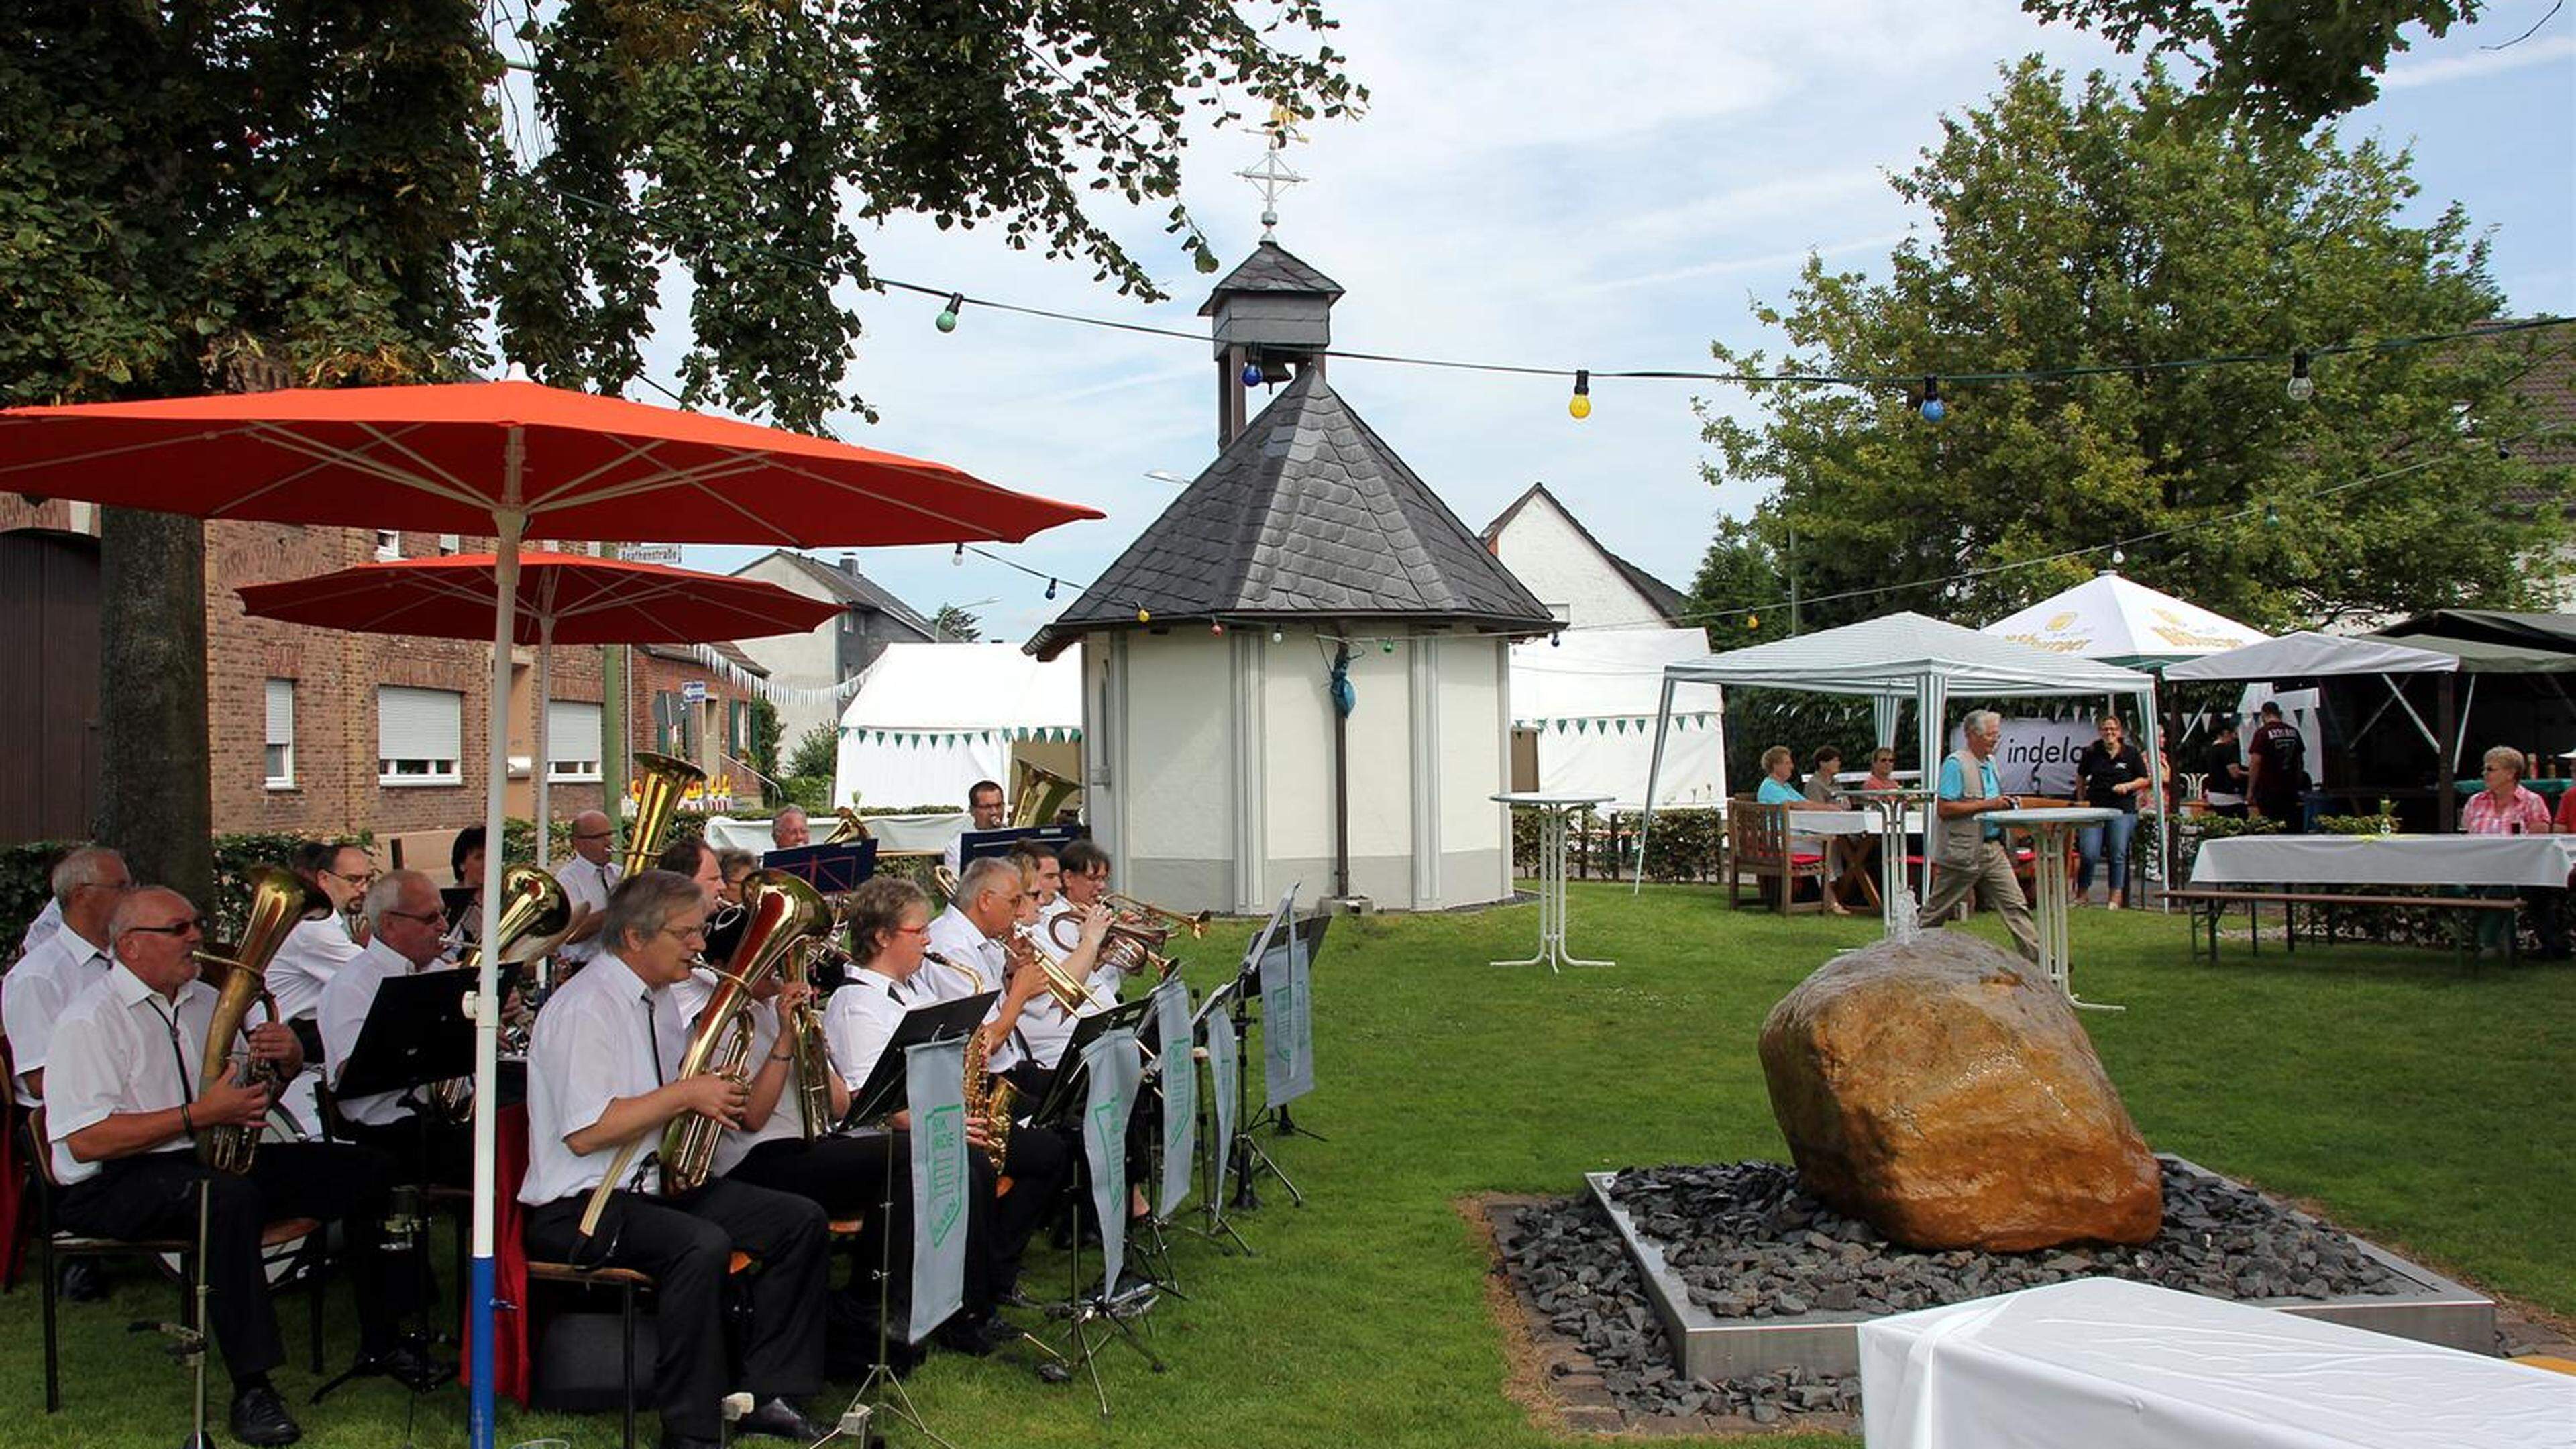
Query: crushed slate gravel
{"type": "Point", "coordinates": [1750, 1243]}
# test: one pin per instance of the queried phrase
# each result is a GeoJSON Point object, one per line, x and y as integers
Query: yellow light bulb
{"type": "Point", "coordinates": [1580, 406]}
{"type": "Point", "coordinates": [1144, 616]}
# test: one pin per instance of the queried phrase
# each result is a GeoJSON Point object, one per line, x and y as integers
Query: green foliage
{"type": "Point", "coordinates": [2356, 824]}
{"type": "Point", "coordinates": [955, 625]}
{"type": "Point", "coordinates": [1740, 586]}
{"type": "Point", "coordinates": [762, 745]}
{"type": "Point", "coordinates": [817, 754]}
{"type": "Point", "coordinates": [814, 792]}
{"type": "Point", "coordinates": [2295, 64]}
{"type": "Point", "coordinates": [2093, 226]}
{"type": "Point", "coordinates": [25, 867]}
{"type": "Point", "coordinates": [519, 842]}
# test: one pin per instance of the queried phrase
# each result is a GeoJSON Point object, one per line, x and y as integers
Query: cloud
{"type": "Point", "coordinates": [2475, 65]}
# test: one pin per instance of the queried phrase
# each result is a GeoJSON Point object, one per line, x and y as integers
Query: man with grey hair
{"type": "Point", "coordinates": [87, 884]}
{"type": "Point", "coordinates": [406, 936]}
{"type": "Point", "coordinates": [603, 1071]}
{"type": "Point", "coordinates": [788, 828]}
{"type": "Point", "coordinates": [1968, 854]}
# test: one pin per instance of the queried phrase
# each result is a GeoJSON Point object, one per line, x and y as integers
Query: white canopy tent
{"type": "Point", "coordinates": [929, 720]}
{"type": "Point", "coordinates": [2119, 621]}
{"type": "Point", "coordinates": [1591, 700]}
{"type": "Point", "coordinates": [1902, 657]}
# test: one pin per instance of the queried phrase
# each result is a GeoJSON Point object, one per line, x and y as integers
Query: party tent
{"type": "Point", "coordinates": [1906, 657]}
{"type": "Point", "coordinates": [2121, 621]}
{"type": "Point", "coordinates": [1590, 699]}
{"type": "Point", "coordinates": [929, 720]}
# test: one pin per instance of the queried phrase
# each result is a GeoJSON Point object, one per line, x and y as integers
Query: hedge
{"type": "Point", "coordinates": [24, 869]}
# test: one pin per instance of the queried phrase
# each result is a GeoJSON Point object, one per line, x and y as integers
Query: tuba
{"type": "Point", "coordinates": [781, 911]}
{"type": "Point", "coordinates": [803, 1028]}
{"type": "Point", "coordinates": [1037, 793]}
{"type": "Point", "coordinates": [850, 830]}
{"type": "Point", "coordinates": [280, 900]}
{"type": "Point", "coordinates": [662, 780]}
{"type": "Point", "coordinates": [534, 912]}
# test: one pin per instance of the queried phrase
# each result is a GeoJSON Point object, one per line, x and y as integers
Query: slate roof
{"type": "Point", "coordinates": [850, 587]}
{"type": "Point", "coordinates": [1308, 512]}
{"type": "Point", "coordinates": [1666, 600]}
{"type": "Point", "coordinates": [1270, 268]}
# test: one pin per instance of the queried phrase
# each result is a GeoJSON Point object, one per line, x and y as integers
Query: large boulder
{"type": "Point", "coordinates": [1945, 1092]}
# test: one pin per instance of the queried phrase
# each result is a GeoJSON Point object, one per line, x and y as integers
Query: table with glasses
{"type": "Point", "coordinates": [1557, 815]}
{"type": "Point", "coordinates": [2051, 829]}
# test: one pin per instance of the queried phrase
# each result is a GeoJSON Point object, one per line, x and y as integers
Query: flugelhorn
{"type": "Point", "coordinates": [781, 910]}
{"type": "Point", "coordinates": [660, 782]}
{"type": "Point", "coordinates": [280, 900]}
{"type": "Point", "coordinates": [1070, 994]}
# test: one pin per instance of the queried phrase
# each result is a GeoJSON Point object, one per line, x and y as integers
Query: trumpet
{"type": "Point", "coordinates": [1147, 911]}
{"type": "Point", "coordinates": [1072, 995]}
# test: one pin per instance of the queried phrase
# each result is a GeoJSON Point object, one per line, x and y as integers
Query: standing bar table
{"type": "Point", "coordinates": [1555, 814]}
{"type": "Point", "coordinates": [1896, 900]}
{"type": "Point", "coordinates": [2050, 830]}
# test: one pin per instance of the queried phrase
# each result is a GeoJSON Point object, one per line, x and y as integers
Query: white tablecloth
{"type": "Point", "coordinates": [893, 832]}
{"type": "Point", "coordinates": [2102, 1363]}
{"type": "Point", "coordinates": [2461, 860]}
{"type": "Point", "coordinates": [1848, 822]}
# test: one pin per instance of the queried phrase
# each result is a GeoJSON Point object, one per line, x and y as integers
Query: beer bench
{"type": "Point", "coordinates": [2208, 904]}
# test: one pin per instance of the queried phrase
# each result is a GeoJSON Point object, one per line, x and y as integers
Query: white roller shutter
{"type": "Point", "coordinates": [572, 739]}
{"type": "Point", "coordinates": [280, 765]}
{"type": "Point", "coordinates": [419, 734]}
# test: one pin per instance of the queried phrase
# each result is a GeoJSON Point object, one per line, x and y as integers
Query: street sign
{"type": "Point", "coordinates": [694, 691]}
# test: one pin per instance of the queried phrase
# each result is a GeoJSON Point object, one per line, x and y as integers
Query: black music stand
{"type": "Point", "coordinates": [1102, 1304]}
{"type": "Point", "coordinates": [882, 1094]}
{"type": "Point", "coordinates": [974, 845]}
{"type": "Point", "coordinates": [830, 869]}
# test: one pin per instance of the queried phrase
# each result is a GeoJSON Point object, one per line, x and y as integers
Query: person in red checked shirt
{"type": "Point", "coordinates": [2505, 807]}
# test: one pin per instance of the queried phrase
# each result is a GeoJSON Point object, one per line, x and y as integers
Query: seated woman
{"type": "Point", "coordinates": [1882, 771]}
{"type": "Point", "coordinates": [1778, 764]}
{"type": "Point", "coordinates": [2504, 807]}
{"type": "Point", "coordinates": [1822, 787]}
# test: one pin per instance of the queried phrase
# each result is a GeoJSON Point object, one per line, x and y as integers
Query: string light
{"type": "Point", "coordinates": [2271, 516]}
{"type": "Point", "coordinates": [2119, 555]}
{"type": "Point", "coordinates": [1581, 403]}
{"type": "Point", "coordinates": [1144, 616]}
{"type": "Point", "coordinates": [1278, 636]}
{"type": "Point", "coordinates": [1932, 408]}
{"type": "Point", "coordinates": [1050, 588]}
{"type": "Point", "coordinates": [958, 559]}
{"type": "Point", "coordinates": [1386, 646]}
{"type": "Point", "coordinates": [946, 321]}
{"type": "Point", "coordinates": [2302, 387]}
{"type": "Point", "coordinates": [1252, 374]}
{"type": "Point", "coordinates": [1217, 627]}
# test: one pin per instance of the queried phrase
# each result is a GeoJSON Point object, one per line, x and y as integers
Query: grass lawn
{"type": "Point", "coordinates": [2413, 1103]}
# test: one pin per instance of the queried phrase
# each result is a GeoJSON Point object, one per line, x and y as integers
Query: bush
{"type": "Point", "coordinates": [817, 752]}
{"type": "Point", "coordinates": [1684, 844]}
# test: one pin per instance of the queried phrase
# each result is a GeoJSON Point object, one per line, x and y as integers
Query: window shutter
{"type": "Point", "coordinates": [419, 724]}
{"type": "Point", "coordinates": [572, 736]}
{"type": "Point", "coordinates": [663, 704]}
{"type": "Point", "coordinates": [281, 711]}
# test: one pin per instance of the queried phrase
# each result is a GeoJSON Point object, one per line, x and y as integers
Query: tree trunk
{"type": "Point", "coordinates": [155, 801]}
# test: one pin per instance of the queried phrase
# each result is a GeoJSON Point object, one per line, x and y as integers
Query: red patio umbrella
{"type": "Point", "coordinates": [563, 599]}
{"type": "Point", "coordinates": [519, 458]}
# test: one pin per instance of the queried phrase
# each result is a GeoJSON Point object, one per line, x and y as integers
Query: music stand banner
{"type": "Point", "coordinates": [1222, 1088]}
{"type": "Point", "coordinates": [1114, 1067]}
{"type": "Point", "coordinates": [1287, 1021]}
{"type": "Point", "coordinates": [1180, 1094]}
{"type": "Point", "coordinates": [974, 845]}
{"type": "Point", "coordinates": [935, 1082]}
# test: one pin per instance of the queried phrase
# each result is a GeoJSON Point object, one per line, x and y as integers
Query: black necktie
{"type": "Point", "coordinates": [653, 1042]}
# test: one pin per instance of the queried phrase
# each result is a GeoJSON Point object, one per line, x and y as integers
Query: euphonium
{"type": "Point", "coordinates": [782, 911]}
{"type": "Point", "coordinates": [850, 830]}
{"type": "Point", "coordinates": [280, 900]}
{"type": "Point", "coordinates": [534, 911]}
{"type": "Point", "coordinates": [1037, 794]}
{"type": "Point", "coordinates": [661, 780]}
{"type": "Point", "coordinates": [803, 1028]}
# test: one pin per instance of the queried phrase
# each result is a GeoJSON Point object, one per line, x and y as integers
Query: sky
{"type": "Point", "coordinates": [1608, 186]}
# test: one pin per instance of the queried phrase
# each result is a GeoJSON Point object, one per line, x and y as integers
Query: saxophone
{"type": "Point", "coordinates": [280, 900]}
{"type": "Point", "coordinates": [989, 1100]}
{"type": "Point", "coordinates": [782, 910]}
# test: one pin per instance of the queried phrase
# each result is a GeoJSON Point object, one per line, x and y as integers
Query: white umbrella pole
{"type": "Point", "coordinates": [545, 712]}
{"type": "Point", "coordinates": [487, 1001]}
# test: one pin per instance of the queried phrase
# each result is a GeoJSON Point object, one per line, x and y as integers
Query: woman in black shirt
{"type": "Point", "coordinates": [2110, 774]}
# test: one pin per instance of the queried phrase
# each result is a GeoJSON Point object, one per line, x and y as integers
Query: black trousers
{"type": "Point", "coordinates": [686, 1243]}
{"type": "Point", "coordinates": [1034, 1083]}
{"type": "Point", "coordinates": [435, 1154]}
{"type": "Point", "coordinates": [1039, 1162]}
{"type": "Point", "coordinates": [154, 1195]}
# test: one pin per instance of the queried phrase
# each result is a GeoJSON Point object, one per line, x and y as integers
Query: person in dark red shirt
{"type": "Point", "coordinates": [2278, 760]}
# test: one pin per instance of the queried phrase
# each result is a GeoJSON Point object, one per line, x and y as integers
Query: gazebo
{"type": "Point", "coordinates": [2120, 621]}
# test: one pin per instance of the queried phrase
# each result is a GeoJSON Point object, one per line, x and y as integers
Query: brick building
{"type": "Point", "coordinates": [312, 730]}
{"type": "Point", "coordinates": [680, 705]}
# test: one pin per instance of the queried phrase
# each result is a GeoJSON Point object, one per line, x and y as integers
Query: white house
{"type": "Point", "coordinates": [804, 667]}
{"type": "Point", "coordinates": [1546, 547]}
{"type": "Point", "coordinates": [1306, 566]}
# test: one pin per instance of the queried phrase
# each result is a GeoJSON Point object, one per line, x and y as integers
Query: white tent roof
{"type": "Point", "coordinates": [960, 687]}
{"type": "Point", "coordinates": [1893, 653]}
{"type": "Point", "coordinates": [2111, 618]}
{"type": "Point", "coordinates": [1603, 674]}
{"type": "Point", "coordinates": [2308, 654]}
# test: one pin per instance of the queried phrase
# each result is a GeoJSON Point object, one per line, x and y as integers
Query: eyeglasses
{"type": "Point", "coordinates": [117, 887]}
{"type": "Point", "coordinates": [175, 928]}
{"type": "Point", "coordinates": [424, 917]}
{"type": "Point", "coordinates": [362, 878]}
{"type": "Point", "coordinates": [686, 933]}
{"type": "Point", "coordinates": [591, 834]}
{"type": "Point", "coordinates": [912, 930]}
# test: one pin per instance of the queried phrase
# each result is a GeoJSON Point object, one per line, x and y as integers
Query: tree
{"type": "Point", "coordinates": [2295, 63]}
{"type": "Point", "coordinates": [760, 742]}
{"type": "Point", "coordinates": [2100, 229]}
{"type": "Point", "coordinates": [352, 193]}
{"type": "Point", "coordinates": [817, 753]}
{"type": "Point", "coordinates": [955, 624]}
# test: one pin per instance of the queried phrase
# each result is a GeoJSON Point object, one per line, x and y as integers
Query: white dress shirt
{"type": "Point", "coordinates": [34, 993]}
{"type": "Point", "coordinates": [314, 953]}
{"type": "Point", "coordinates": [861, 1018]}
{"type": "Point", "coordinates": [47, 922]}
{"type": "Point", "coordinates": [1045, 1025]}
{"type": "Point", "coordinates": [121, 1047]}
{"type": "Point", "coordinates": [343, 1016]}
{"type": "Point", "coordinates": [603, 1036]}
{"type": "Point", "coordinates": [960, 940]}
{"type": "Point", "coordinates": [585, 884]}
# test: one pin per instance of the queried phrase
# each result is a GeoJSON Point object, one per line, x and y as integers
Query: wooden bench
{"type": "Point", "coordinates": [1759, 845]}
{"type": "Point", "coordinates": [2208, 904]}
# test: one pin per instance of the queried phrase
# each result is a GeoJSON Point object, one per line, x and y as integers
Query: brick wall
{"type": "Point", "coordinates": [656, 671]}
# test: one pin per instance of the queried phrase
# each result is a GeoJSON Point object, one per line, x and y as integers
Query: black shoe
{"type": "Point", "coordinates": [975, 1337]}
{"type": "Point", "coordinates": [83, 1281]}
{"type": "Point", "coordinates": [780, 1419]}
{"type": "Point", "coordinates": [259, 1417]}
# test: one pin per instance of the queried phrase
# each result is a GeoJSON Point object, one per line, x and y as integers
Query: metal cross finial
{"type": "Point", "coordinates": [1274, 175]}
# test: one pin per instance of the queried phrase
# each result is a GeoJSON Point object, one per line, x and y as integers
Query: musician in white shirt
{"type": "Point", "coordinates": [600, 1076]}
{"type": "Point", "coordinates": [984, 811]}
{"type": "Point", "coordinates": [315, 950]}
{"type": "Point", "coordinates": [587, 880]}
{"type": "Point", "coordinates": [1046, 1026]}
{"type": "Point", "coordinates": [404, 919]}
{"type": "Point", "coordinates": [125, 1103]}
{"type": "Point", "coordinates": [87, 885]}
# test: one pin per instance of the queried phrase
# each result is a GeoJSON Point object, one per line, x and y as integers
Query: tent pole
{"type": "Point", "coordinates": [2446, 761]}
{"type": "Point", "coordinates": [1655, 772]}
{"type": "Point", "coordinates": [509, 523]}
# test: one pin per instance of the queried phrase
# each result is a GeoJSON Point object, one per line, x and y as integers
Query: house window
{"type": "Point", "coordinates": [733, 727]}
{"type": "Point", "coordinates": [388, 545]}
{"type": "Point", "coordinates": [449, 545]}
{"type": "Point", "coordinates": [419, 735]}
{"type": "Point", "coordinates": [666, 716]}
{"type": "Point", "coordinates": [572, 741]}
{"type": "Point", "coordinates": [280, 768]}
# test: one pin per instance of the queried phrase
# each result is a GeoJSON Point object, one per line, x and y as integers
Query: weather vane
{"type": "Point", "coordinates": [1274, 175]}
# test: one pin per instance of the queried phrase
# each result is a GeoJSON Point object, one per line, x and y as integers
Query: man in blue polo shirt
{"type": "Point", "coordinates": [1967, 852]}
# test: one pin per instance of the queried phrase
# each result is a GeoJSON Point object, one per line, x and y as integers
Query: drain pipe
{"type": "Point", "coordinates": [1344, 700]}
